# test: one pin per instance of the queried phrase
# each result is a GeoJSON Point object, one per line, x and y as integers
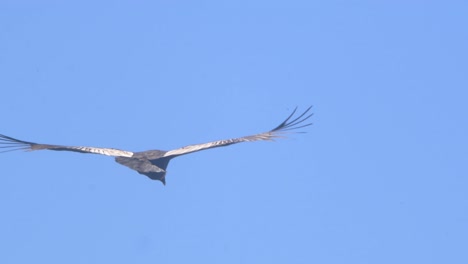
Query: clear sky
{"type": "Point", "coordinates": [380, 177]}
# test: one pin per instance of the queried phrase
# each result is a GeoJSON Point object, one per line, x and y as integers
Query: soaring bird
{"type": "Point", "coordinates": [153, 163]}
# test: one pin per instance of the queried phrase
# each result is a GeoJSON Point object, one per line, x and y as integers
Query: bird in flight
{"type": "Point", "coordinates": [153, 163]}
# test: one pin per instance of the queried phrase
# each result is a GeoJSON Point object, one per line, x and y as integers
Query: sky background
{"type": "Point", "coordinates": [380, 177]}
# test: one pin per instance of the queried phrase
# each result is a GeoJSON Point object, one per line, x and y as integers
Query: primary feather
{"type": "Point", "coordinates": [153, 163]}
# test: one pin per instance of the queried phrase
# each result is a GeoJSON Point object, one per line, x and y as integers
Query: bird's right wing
{"type": "Point", "coordinates": [12, 144]}
{"type": "Point", "coordinates": [278, 132]}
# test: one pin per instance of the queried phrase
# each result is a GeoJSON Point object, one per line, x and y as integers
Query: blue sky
{"type": "Point", "coordinates": [381, 176]}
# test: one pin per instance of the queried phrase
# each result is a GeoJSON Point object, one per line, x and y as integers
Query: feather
{"type": "Point", "coordinates": [153, 163]}
{"type": "Point", "coordinates": [277, 132]}
{"type": "Point", "coordinates": [16, 144]}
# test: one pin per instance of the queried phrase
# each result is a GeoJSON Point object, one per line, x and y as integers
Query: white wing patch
{"type": "Point", "coordinates": [187, 149]}
{"type": "Point", "coordinates": [198, 147]}
{"type": "Point", "coordinates": [104, 151]}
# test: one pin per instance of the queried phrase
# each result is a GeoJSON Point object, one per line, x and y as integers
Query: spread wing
{"type": "Point", "coordinates": [12, 144]}
{"type": "Point", "coordinates": [281, 130]}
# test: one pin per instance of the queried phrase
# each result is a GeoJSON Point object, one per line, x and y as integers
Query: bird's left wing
{"type": "Point", "coordinates": [11, 144]}
{"type": "Point", "coordinates": [280, 131]}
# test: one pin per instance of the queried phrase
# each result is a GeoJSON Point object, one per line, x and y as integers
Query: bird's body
{"type": "Point", "coordinates": [153, 163]}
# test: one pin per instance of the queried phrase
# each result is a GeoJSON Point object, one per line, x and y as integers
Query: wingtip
{"type": "Point", "coordinates": [289, 124]}
{"type": "Point", "coordinates": [12, 144]}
